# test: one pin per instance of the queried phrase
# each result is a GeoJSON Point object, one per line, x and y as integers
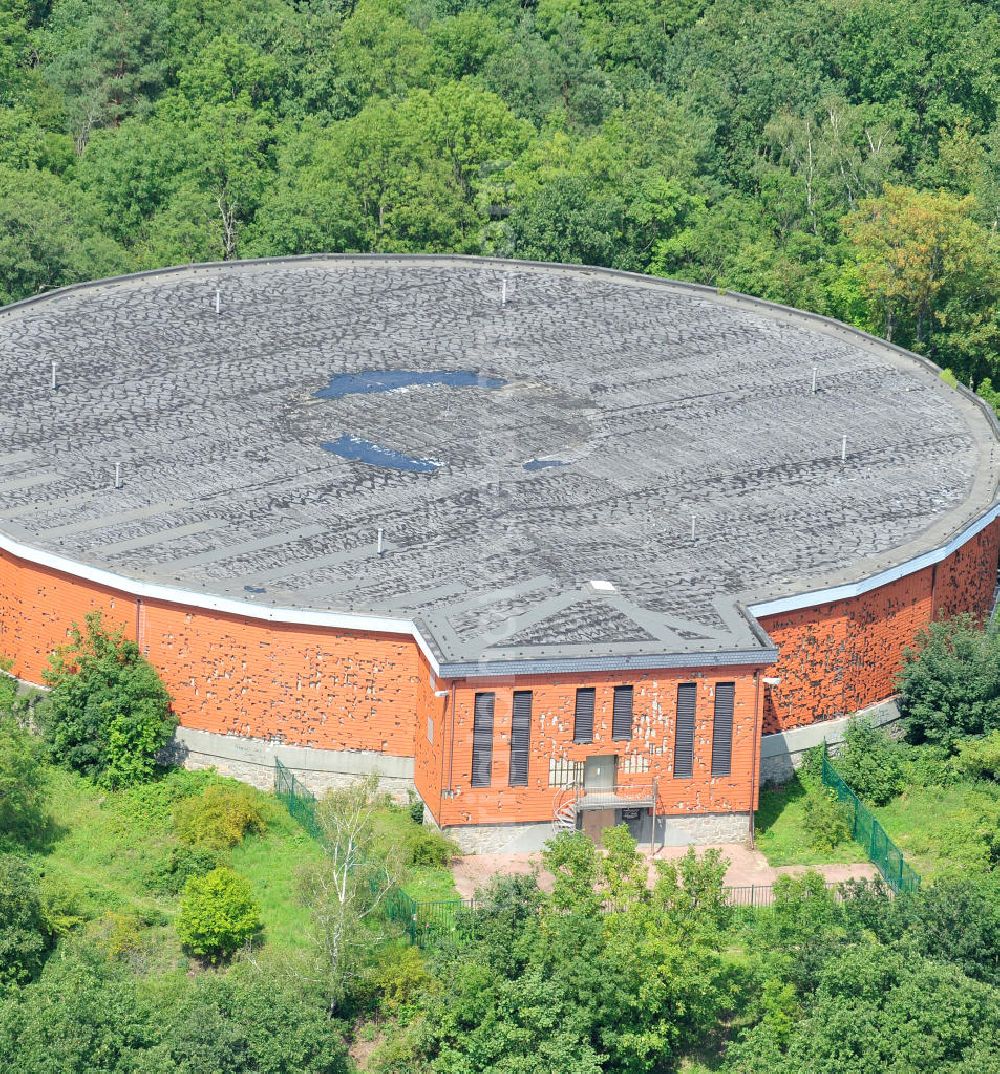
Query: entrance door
{"type": "Point", "coordinates": [599, 773]}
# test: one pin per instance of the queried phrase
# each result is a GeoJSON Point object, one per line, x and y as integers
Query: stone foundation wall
{"type": "Point", "coordinates": [251, 760]}
{"type": "Point", "coordinates": [782, 753]}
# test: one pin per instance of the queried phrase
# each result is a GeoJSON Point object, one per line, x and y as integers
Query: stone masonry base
{"type": "Point", "coordinates": [252, 761]}
{"type": "Point", "coordinates": [698, 829]}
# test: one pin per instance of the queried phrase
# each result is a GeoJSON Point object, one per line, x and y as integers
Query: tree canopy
{"type": "Point", "coordinates": [841, 158]}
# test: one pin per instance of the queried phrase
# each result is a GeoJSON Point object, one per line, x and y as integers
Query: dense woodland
{"type": "Point", "coordinates": [838, 155]}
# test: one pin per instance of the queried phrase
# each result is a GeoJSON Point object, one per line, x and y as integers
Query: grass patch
{"type": "Point", "coordinates": [104, 852]}
{"type": "Point", "coordinates": [936, 827]}
{"type": "Point", "coordinates": [271, 862]}
{"type": "Point", "coordinates": [782, 834]}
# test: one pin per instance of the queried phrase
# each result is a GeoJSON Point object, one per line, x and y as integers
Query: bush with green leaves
{"type": "Point", "coordinates": [950, 683]}
{"type": "Point", "coordinates": [880, 1009]}
{"type": "Point", "coordinates": [218, 914]}
{"type": "Point", "coordinates": [979, 758]}
{"type": "Point", "coordinates": [88, 1013]}
{"type": "Point", "coordinates": [870, 764]}
{"type": "Point", "coordinates": [108, 714]}
{"type": "Point", "coordinates": [219, 817]}
{"type": "Point", "coordinates": [23, 788]}
{"type": "Point", "coordinates": [176, 866]}
{"type": "Point", "coordinates": [24, 931]}
{"type": "Point", "coordinates": [427, 846]}
{"type": "Point", "coordinates": [828, 820]}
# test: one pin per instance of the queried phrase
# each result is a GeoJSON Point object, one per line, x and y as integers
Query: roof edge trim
{"type": "Point", "coordinates": [647, 662]}
{"type": "Point", "coordinates": [874, 581]}
{"type": "Point", "coordinates": [225, 605]}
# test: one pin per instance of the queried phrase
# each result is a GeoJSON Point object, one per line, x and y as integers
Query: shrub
{"type": "Point", "coordinates": [929, 766]}
{"type": "Point", "coordinates": [399, 976]}
{"type": "Point", "coordinates": [172, 871]}
{"type": "Point", "coordinates": [149, 807]}
{"type": "Point", "coordinates": [24, 934]}
{"type": "Point", "coordinates": [950, 684]}
{"type": "Point", "coordinates": [218, 914]}
{"type": "Point", "coordinates": [827, 821]}
{"type": "Point", "coordinates": [22, 781]}
{"type": "Point", "coordinates": [220, 816]}
{"type": "Point", "coordinates": [980, 757]}
{"type": "Point", "coordinates": [416, 809]}
{"type": "Point", "coordinates": [426, 846]}
{"type": "Point", "coordinates": [108, 713]}
{"type": "Point", "coordinates": [871, 765]}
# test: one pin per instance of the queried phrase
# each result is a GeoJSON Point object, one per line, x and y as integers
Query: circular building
{"type": "Point", "coordinates": [497, 529]}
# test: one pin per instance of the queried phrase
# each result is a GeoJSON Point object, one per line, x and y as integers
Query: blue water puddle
{"type": "Point", "coordinates": [542, 464]}
{"type": "Point", "coordinates": [357, 450]}
{"type": "Point", "coordinates": [372, 383]}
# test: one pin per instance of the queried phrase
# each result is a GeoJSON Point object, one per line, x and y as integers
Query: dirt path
{"type": "Point", "coordinates": [746, 867]}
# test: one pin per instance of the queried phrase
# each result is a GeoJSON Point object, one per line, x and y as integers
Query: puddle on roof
{"type": "Point", "coordinates": [372, 383]}
{"type": "Point", "coordinates": [542, 464]}
{"type": "Point", "coordinates": [355, 449]}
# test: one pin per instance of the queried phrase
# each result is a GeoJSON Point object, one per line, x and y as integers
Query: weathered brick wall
{"type": "Point", "coordinates": [38, 607]}
{"type": "Point", "coordinates": [840, 657]}
{"type": "Point", "coordinates": [229, 674]}
{"type": "Point", "coordinates": [651, 746]}
{"type": "Point", "coordinates": [362, 690]}
{"type": "Point", "coordinates": [965, 581]}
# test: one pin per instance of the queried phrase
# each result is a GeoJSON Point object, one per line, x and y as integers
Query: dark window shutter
{"type": "Point", "coordinates": [482, 741]}
{"type": "Point", "coordinates": [621, 716]}
{"type": "Point", "coordinates": [583, 727]}
{"type": "Point", "coordinates": [520, 738]}
{"type": "Point", "coordinates": [684, 732]}
{"type": "Point", "coordinates": [722, 729]}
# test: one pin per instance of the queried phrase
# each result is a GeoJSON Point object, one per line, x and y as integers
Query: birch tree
{"type": "Point", "coordinates": [347, 890]}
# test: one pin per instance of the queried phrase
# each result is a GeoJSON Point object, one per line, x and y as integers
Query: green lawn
{"type": "Point", "coordinates": [101, 857]}
{"type": "Point", "coordinates": [935, 827]}
{"type": "Point", "coordinates": [782, 835]}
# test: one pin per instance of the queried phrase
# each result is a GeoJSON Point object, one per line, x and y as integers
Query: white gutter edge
{"type": "Point", "coordinates": [385, 625]}
{"type": "Point", "coordinates": [226, 605]}
{"type": "Point", "coordinates": [893, 574]}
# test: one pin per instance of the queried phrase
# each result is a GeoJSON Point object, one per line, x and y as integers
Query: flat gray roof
{"type": "Point", "coordinates": [617, 429]}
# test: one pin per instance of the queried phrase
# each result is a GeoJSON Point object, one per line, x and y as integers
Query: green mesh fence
{"type": "Point", "coordinates": [299, 801]}
{"type": "Point", "coordinates": [881, 850]}
{"type": "Point", "coordinates": [434, 922]}
{"type": "Point", "coordinates": [423, 922]}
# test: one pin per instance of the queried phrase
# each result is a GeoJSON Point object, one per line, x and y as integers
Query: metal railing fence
{"type": "Point", "coordinates": [431, 922]}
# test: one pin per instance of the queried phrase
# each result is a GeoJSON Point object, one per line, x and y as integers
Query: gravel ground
{"type": "Point", "coordinates": [745, 867]}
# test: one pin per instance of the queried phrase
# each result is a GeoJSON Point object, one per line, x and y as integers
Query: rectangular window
{"type": "Point", "coordinates": [482, 740]}
{"type": "Point", "coordinates": [722, 729]}
{"type": "Point", "coordinates": [520, 738]}
{"type": "Point", "coordinates": [583, 726]}
{"type": "Point", "coordinates": [684, 732]}
{"type": "Point", "coordinates": [563, 773]}
{"type": "Point", "coordinates": [621, 714]}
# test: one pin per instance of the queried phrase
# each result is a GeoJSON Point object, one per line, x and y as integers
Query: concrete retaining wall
{"type": "Point", "coordinates": [782, 753]}
{"type": "Point", "coordinates": [252, 761]}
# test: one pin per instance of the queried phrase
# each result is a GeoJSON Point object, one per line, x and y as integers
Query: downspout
{"type": "Point", "coordinates": [449, 701]}
{"type": "Point", "coordinates": [757, 730]}
{"type": "Point", "coordinates": [451, 745]}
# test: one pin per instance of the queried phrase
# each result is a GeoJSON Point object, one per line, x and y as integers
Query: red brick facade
{"type": "Point", "coordinates": [648, 756]}
{"type": "Point", "coordinates": [357, 690]}
{"type": "Point", "coordinates": [229, 674]}
{"type": "Point", "coordinates": [840, 657]}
